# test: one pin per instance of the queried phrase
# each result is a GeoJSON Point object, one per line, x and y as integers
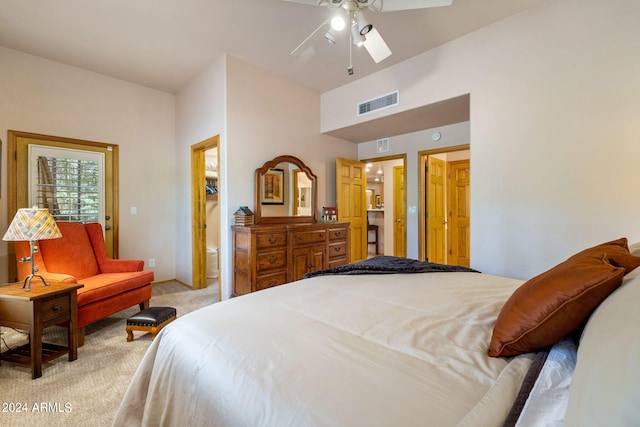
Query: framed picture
{"type": "Point", "coordinates": [273, 187]}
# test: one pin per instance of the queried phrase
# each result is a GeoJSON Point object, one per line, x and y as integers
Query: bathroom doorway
{"type": "Point", "coordinates": [205, 174]}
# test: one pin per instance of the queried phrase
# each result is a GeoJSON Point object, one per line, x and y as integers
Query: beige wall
{"type": "Point", "coordinates": [411, 144]}
{"type": "Point", "coordinates": [268, 116]}
{"type": "Point", "coordinates": [50, 98]}
{"type": "Point", "coordinates": [200, 115]}
{"type": "Point", "coordinates": [553, 131]}
{"type": "Point", "coordinates": [258, 116]}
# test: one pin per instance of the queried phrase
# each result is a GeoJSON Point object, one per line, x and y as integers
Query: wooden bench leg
{"type": "Point", "coordinates": [144, 305]}
{"type": "Point", "coordinates": [129, 334]}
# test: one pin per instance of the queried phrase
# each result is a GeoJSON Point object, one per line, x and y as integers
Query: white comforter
{"type": "Point", "coordinates": [365, 350]}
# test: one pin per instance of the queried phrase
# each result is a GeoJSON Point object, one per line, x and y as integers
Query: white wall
{"type": "Point", "coordinates": [46, 97]}
{"type": "Point", "coordinates": [554, 130]}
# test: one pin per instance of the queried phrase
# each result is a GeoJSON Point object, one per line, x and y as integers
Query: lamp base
{"type": "Point", "coordinates": [27, 281]}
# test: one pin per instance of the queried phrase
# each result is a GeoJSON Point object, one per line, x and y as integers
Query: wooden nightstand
{"type": "Point", "coordinates": [32, 311]}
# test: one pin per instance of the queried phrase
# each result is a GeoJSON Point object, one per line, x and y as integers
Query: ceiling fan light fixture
{"type": "Point", "coordinates": [363, 25]}
{"type": "Point", "coordinates": [338, 23]}
{"type": "Point", "coordinates": [358, 39]}
{"type": "Point", "coordinates": [330, 36]}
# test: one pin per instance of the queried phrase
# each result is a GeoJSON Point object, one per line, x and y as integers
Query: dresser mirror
{"type": "Point", "coordinates": [285, 192]}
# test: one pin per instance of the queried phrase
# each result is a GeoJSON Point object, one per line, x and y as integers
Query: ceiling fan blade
{"type": "Point", "coordinates": [309, 2]}
{"type": "Point", "coordinates": [388, 6]}
{"type": "Point", "coordinates": [376, 46]}
{"type": "Point", "coordinates": [313, 38]}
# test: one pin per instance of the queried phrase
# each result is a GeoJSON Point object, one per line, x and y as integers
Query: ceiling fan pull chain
{"type": "Point", "coordinates": [350, 68]}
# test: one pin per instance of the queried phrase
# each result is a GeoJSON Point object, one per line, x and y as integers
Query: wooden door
{"type": "Point", "coordinates": [436, 210]}
{"type": "Point", "coordinates": [459, 200]}
{"type": "Point", "coordinates": [399, 215]}
{"type": "Point", "coordinates": [351, 195]}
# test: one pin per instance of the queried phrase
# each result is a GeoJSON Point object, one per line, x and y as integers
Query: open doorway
{"type": "Point", "coordinates": [205, 173]}
{"type": "Point", "coordinates": [444, 233]}
{"type": "Point", "coordinates": [386, 206]}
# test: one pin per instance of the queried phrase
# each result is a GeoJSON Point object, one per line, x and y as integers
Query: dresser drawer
{"type": "Point", "coordinates": [271, 260]}
{"type": "Point", "coordinates": [54, 308]}
{"type": "Point", "coordinates": [335, 262]}
{"type": "Point", "coordinates": [271, 240]}
{"type": "Point", "coordinates": [338, 250]}
{"type": "Point", "coordinates": [271, 280]}
{"type": "Point", "coordinates": [338, 234]}
{"type": "Point", "coordinates": [307, 237]}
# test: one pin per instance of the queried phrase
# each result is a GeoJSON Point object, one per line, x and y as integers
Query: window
{"type": "Point", "coordinates": [67, 182]}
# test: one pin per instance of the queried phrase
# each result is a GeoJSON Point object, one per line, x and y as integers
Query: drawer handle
{"type": "Point", "coordinates": [273, 240]}
{"type": "Point", "coordinates": [273, 283]}
{"type": "Point", "coordinates": [337, 249]}
{"type": "Point", "coordinates": [57, 308]}
{"type": "Point", "coordinates": [338, 233]}
{"type": "Point", "coordinates": [322, 236]}
{"type": "Point", "coordinates": [273, 259]}
{"type": "Point", "coordinates": [299, 237]}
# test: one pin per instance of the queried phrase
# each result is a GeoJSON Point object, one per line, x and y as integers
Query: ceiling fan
{"type": "Point", "coordinates": [352, 13]}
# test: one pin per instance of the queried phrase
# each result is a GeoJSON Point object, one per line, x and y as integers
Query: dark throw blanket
{"type": "Point", "coordinates": [389, 265]}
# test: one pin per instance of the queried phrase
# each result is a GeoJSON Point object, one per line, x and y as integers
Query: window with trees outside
{"type": "Point", "coordinates": [67, 182]}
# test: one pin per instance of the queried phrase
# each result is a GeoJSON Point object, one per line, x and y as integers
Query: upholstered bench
{"type": "Point", "coordinates": [152, 320]}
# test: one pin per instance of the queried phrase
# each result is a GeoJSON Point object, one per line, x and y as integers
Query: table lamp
{"type": "Point", "coordinates": [32, 224]}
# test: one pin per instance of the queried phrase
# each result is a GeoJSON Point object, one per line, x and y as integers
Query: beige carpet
{"type": "Point", "coordinates": [87, 391]}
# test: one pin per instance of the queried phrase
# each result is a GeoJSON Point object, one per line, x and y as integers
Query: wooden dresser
{"type": "Point", "coordinates": [272, 254]}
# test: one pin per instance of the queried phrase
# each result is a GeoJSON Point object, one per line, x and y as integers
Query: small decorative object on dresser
{"type": "Point", "coordinates": [243, 216]}
{"type": "Point", "coordinates": [284, 245]}
{"type": "Point", "coordinates": [329, 214]}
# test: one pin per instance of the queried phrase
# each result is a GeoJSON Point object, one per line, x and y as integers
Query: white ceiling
{"type": "Point", "coordinates": [163, 44]}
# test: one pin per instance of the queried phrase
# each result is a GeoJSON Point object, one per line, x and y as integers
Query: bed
{"type": "Point", "coordinates": [413, 349]}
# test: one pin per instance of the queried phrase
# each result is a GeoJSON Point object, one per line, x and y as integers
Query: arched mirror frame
{"type": "Point", "coordinates": [271, 164]}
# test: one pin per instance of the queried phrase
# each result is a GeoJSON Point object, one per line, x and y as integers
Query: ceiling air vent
{"type": "Point", "coordinates": [384, 101]}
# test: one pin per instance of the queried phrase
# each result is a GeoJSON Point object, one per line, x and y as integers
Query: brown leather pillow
{"type": "Point", "coordinates": [553, 304]}
{"type": "Point", "coordinates": [617, 251]}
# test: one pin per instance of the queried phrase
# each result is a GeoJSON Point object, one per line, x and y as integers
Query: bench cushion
{"type": "Point", "coordinates": [152, 316]}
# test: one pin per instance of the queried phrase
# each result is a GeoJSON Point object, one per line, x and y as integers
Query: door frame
{"type": "Point", "coordinates": [199, 213]}
{"type": "Point", "coordinates": [422, 194]}
{"type": "Point", "coordinates": [402, 157]}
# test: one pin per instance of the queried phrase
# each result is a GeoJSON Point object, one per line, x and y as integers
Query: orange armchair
{"type": "Point", "coordinates": [80, 256]}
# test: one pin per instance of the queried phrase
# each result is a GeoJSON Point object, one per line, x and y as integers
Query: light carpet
{"type": "Point", "coordinates": [87, 391]}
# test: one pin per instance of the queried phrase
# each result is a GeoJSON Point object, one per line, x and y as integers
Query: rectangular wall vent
{"type": "Point", "coordinates": [382, 145]}
{"type": "Point", "coordinates": [384, 101]}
